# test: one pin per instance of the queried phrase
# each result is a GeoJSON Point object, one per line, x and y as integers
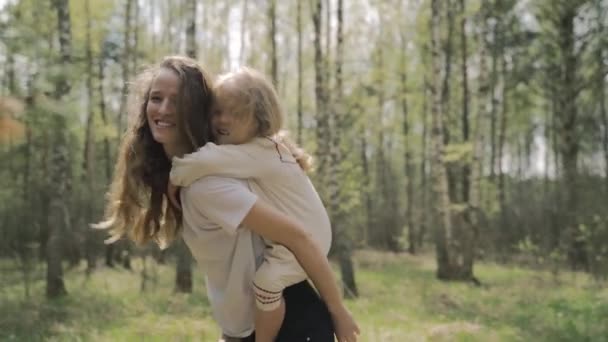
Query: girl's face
{"type": "Point", "coordinates": [230, 125]}
{"type": "Point", "coordinates": [161, 111]}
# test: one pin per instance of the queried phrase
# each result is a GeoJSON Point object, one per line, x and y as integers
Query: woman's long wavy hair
{"type": "Point", "coordinates": [137, 201]}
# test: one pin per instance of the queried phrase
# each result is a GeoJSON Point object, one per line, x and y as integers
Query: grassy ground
{"type": "Point", "coordinates": [400, 300]}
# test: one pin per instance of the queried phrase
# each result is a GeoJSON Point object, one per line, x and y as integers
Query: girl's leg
{"type": "Point", "coordinates": [268, 323]}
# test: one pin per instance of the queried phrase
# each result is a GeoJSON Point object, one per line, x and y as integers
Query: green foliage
{"type": "Point", "coordinates": [458, 153]}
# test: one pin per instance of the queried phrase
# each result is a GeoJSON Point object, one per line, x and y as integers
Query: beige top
{"type": "Point", "coordinates": [213, 208]}
{"type": "Point", "coordinates": [277, 179]}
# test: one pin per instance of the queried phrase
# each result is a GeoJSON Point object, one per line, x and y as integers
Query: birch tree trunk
{"type": "Point", "coordinates": [272, 33]}
{"type": "Point", "coordinates": [58, 219]}
{"type": "Point", "coordinates": [408, 167]}
{"type": "Point", "coordinates": [300, 72]}
{"type": "Point", "coordinates": [343, 244]}
{"type": "Point", "coordinates": [89, 149]}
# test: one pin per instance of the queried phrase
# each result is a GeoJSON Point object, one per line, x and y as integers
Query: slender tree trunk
{"type": "Point", "coordinates": [126, 53]}
{"type": "Point", "coordinates": [366, 188]}
{"type": "Point", "coordinates": [135, 38]}
{"type": "Point", "coordinates": [446, 96]}
{"type": "Point", "coordinates": [272, 34]}
{"type": "Point", "coordinates": [104, 119]}
{"type": "Point", "coordinates": [300, 72]}
{"type": "Point", "coordinates": [59, 217]}
{"type": "Point", "coordinates": [244, 12]}
{"type": "Point", "coordinates": [494, 102]}
{"type": "Point", "coordinates": [466, 171]}
{"type": "Point", "coordinates": [568, 130]}
{"type": "Point", "coordinates": [89, 149]}
{"type": "Point", "coordinates": [183, 274]}
{"type": "Point", "coordinates": [342, 242]}
{"type": "Point", "coordinates": [11, 80]}
{"type": "Point", "coordinates": [109, 249]}
{"type": "Point", "coordinates": [502, 130]}
{"type": "Point", "coordinates": [468, 229]}
{"type": "Point", "coordinates": [423, 166]}
{"type": "Point", "coordinates": [191, 29]}
{"type": "Point", "coordinates": [440, 188]}
{"type": "Point", "coordinates": [322, 131]}
{"type": "Point", "coordinates": [476, 176]}
{"type": "Point", "coordinates": [448, 267]}
{"type": "Point", "coordinates": [27, 202]}
{"type": "Point", "coordinates": [601, 90]}
{"type": "Point", "coordinates": [409, 170]}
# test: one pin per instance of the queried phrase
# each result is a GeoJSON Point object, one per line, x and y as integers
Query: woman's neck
{"type": "Point", "coordinates": [174, 151]}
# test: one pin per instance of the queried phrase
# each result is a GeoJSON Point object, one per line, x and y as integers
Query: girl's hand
{"type": "Point", "coordinates": [346, 328]}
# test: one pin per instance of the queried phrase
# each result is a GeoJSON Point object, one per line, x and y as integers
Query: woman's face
{"type": "Point", "coordinates": [161, 111]}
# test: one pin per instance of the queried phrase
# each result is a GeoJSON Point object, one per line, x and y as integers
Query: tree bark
{"type": "Point", "coordinates": [322, 130]}
{"type": "Point", "coordinates": [448, 241]}
{"type": "Point", "coordinates": [89, 149]}
{"type": "Point", "coordinates": [183, 274]}
{"type": "Point", "coordinates": [272, 33]}
{"type": "Point", "coordinates": [58, 220]}
{"type": "Point", "coordinates": [408, 167]}
{"type": "Point", "coordinates": [443, 224]}
{"type": "Point", "coordinates": [244, 13]}
{"type": "Point", "coordinates": [502, 131]}
{"type": "Point", "coordinates": [191, 29]}
{"type": "Point", "coordinates": [423, 166]}
{"type": "Point", "coordinates": [125, 58]}
{"type": "Point", "coordinates": [469, 224]}
{"type": "Point", "coordinates": [300, 72]}
{"type": "Point", "coordinates": [343, 243]}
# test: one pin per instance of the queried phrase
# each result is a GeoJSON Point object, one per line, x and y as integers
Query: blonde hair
{"type": "Point", "coordinates": [137, 202]}
{"type": "Point", "coordinates": [255, 97]}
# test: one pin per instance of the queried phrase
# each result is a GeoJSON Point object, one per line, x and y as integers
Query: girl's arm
{"type": "Point", "coordinates": [237, 161]}
{"type": "Point", "coordinates": [277, 227]}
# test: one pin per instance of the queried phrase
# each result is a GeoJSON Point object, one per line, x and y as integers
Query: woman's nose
{"type": "Point", "coordinates": [165, 108]}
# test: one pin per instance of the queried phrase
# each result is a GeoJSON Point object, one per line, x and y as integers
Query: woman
{"type": "Point", "coordinates": [171, 110]}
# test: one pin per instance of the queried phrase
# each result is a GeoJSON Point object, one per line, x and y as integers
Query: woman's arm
{"type": "Point", "coordinates": [237, 161]}
{"type": "Point", "coordinates": [279, 228]}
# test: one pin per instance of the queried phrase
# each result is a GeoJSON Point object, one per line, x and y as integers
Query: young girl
{"type": "Point", "coordinates": [246, 122]}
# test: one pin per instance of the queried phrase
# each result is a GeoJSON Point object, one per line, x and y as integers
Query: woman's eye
{"type": "Point", "coordinates": [155, 98]}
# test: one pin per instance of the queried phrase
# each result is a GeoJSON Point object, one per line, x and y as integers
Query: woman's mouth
{"type": "Point", "coordinates": [163, 124]}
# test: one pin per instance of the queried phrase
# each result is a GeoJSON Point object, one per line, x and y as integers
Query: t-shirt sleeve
{"type": "Point", "coordinates": [224, 201]}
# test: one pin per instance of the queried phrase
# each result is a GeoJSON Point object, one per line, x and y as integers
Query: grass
{"type": "Point", "coordinates": [400, 300]}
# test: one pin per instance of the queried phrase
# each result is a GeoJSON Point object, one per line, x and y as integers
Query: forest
{"type": "Point", "coordinates": [460, 148]}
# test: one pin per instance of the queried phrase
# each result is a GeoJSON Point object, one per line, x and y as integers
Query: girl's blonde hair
{"type": "Point", "coordinates": [254, 96]}
{"type": "Point", "coordinates": [137, 201]}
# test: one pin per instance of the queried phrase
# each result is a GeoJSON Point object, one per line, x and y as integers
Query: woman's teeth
{"type": "Point", "coordinates": [223, 132]}
{"type": "Point", "coordinates": [164, 123]}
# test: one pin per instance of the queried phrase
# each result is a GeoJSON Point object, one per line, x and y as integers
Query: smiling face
{"type": "Point", "coordinates": [162, 111]}
{"type": "Point", "coordinates": [231, 120]}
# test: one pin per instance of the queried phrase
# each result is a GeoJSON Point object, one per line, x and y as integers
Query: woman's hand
{"type": "Point", "coordinates": [345, 327]}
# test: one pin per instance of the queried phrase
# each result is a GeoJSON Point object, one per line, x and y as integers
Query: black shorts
{"type": "Point", "coordinates": [306, 317]}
